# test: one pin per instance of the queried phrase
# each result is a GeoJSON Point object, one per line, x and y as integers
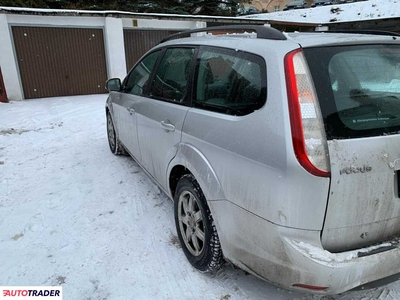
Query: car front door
{"type": "Point", "coordinates": [161, 115]}
{"type": "Point", "coordinates": [133, 89]}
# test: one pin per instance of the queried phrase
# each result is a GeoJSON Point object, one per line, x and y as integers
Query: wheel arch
{"type": "Point", "coordinates": [189, 160]}
{"type": "Point", "coordinates": [176, 173]}
{"type": "Point", "coordinates": [109, 110]}
{"type": "Point", "coordinates": [108, 105]}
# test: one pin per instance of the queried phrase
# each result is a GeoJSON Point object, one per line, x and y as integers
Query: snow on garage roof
{"type": "Point", "coordinates": [127, 14]}
{"type": "Point", "coordinates": [122, 14]}
{"type": "Point", "coordinates": [358, 11]}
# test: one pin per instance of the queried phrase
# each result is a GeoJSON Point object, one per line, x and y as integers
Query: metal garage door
{"type": "Point", "coordinates": [138, 42]}
{"type": "Point", "coordinates": [60, 61]}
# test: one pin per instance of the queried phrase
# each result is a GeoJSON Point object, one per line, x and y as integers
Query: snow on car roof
{"type": "Point", "coordinates": [314, 39]}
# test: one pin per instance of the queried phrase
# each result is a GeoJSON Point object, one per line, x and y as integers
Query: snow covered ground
{"type": "Point", "coordinates": [358, 11]}
{"type": "Point", "coordinates": [73, 214]}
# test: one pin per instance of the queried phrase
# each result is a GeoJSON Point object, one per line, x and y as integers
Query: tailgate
{"type": "Point", "coordinates": [358, 88]}
{"type": "Point", "coordinates": [364, 203]}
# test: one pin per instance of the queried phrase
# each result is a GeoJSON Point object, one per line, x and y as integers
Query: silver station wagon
{"type": "Point", "coordinates": [280, 151]}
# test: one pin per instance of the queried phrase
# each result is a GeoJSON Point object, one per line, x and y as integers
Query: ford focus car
{"type": "Point", "coordinates": [281, 152]}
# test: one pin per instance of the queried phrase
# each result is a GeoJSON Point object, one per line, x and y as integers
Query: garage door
{"type": "Point", "coordinates": [138, 42]}
{"type": "Point", "coordinates": [60, 61]}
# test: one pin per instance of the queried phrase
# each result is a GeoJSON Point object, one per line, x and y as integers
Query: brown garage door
{"type": "Point", "coordinates": [138, 42]}
{"type": "Point", "coordinates": [60, 61]}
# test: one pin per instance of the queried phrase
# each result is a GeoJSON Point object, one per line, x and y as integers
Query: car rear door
{"type": "Point", "coordinates": [360, 102]}
{"type": "Point", "coordinates": [161, 115]}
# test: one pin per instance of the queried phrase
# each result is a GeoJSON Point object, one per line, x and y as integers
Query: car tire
{"type": "Point", "coordinates": [195, 226]}
{"type": "Point", "coordinates": [115, 145]}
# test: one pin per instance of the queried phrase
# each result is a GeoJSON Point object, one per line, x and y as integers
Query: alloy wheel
{"type": "Point", "coordinates": [111, 132]}
{"type": "Point", "coordinates": [191, 223]}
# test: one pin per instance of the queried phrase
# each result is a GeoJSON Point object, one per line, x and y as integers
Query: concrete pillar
{"type": "Point", "coordinates": [201, 24]}
{"type": "Point", "coordinates": [322, 28]}
{"type": "Point", "coordinates": [115, 51]}
{"type": "Point", "coordinates": [8, 62]}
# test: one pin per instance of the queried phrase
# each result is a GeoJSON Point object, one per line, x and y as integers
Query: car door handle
{"type": "Point", "coordinates": [167, 125]}
{"type": "Point", "coordinates": [131, 110]}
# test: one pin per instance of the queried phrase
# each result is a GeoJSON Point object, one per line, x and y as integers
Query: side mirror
{"type": "Point", "coordinates": [113, 85]}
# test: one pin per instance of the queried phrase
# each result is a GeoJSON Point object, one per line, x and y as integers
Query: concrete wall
{"type": "Point", "coordinates": [269, 5]}
{"type": "Point", "coordinates": [115, 51]}
{"type": "Point", "coordinates": [158, 24]}
{"type": "Point", "coordinates": [8, 63]}
{"type": "Point", "coordinates": [113, 41]}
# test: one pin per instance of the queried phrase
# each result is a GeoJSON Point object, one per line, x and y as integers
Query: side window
{"type": "Point", "coordinates": [170, 81]}
{"type": "Point", "coordinates": [230, 82]}
{"type": "Point", "coordinates": [136, 82]}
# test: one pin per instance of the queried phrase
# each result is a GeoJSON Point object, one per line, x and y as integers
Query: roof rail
{"type": "Point", "coordinates": [263, 32]}
{"type": "Point", "coordinates": [367, 31]}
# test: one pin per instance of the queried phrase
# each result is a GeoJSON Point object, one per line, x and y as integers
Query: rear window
{"type": "Point", "coordinates": [358, 88]}
{"type": "Point", "coordinates": [229, 81]}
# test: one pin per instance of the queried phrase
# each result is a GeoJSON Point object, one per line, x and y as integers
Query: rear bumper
{"type": "Point", "coordinates": [291, 257]}
{"type": "Point", "coordinates": [340, 272]}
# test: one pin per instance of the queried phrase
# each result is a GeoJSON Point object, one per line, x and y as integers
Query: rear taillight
{"type": "Point", "coordinates": [308, 132]}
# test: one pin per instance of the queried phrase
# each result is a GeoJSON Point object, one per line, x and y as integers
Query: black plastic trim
{"type": "Point", "coordinates": [378, 283]}
{"type": "Point", "coordinates": [376, 251]}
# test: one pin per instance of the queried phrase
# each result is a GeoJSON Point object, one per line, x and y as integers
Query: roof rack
{"type": "Point", "coordinates": [263, 32]}
{"type": "Point", "coordinates": [367, 31]}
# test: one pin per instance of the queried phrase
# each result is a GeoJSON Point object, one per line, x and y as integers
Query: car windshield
{"type": "Point", "coordinates": [358, 89]}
